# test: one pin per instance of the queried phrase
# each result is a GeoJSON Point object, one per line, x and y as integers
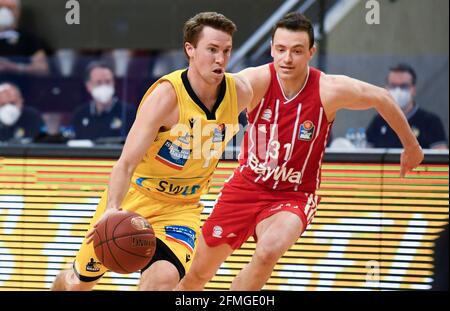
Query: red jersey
{"type": "Point", "coordinates": [284, 144]}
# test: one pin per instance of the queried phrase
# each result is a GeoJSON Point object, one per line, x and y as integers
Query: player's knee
{"type": "Point", "coordinates": [73, 283]}
{"type": "Point", "coordinates": [267, 256]}
{"type": "Point", "coordinates": [199, 276]}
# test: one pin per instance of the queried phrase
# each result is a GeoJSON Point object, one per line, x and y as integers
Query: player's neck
{"type": "Point", "coordinates": [206, 92]}
{"type": "Point", "coordinates": [291, 87]}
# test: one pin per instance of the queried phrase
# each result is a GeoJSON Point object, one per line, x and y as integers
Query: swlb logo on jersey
{"type": "Point", "coordinates": [267, 115]}
{"type": "Point", "coordinates": [219, 134]}
{"type": "Point", "coordinates": [173, 155]}
{"type": "Point", "coordinates": [306, 131]}
{"type": "Point", "coordinates": [168, 187]}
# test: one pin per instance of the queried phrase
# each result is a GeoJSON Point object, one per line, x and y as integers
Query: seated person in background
{"type": "Point", "coordinates": [16, 120]}
{"type": "Point", "coordinates": [105, 116]}
{"type": "Point", "coordinates": [20, 52]}
{"type": "Point", "coordinates": [428, 128]}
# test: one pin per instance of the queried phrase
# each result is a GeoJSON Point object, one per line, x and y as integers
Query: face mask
{"type": "Point", "coordinates": [402, 97]}
{"type": "Point", "coordinates": [9, 114]}
{"type": "Point", "coordinates": [7, 18]}
{"type": "Point", "coordinates": [103, 93]}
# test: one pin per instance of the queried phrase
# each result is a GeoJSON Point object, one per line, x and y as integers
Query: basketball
{"type": "Point", "coordinates": [124, 242]}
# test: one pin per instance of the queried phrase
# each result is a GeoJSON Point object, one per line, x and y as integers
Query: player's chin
{"type": "Point", "coordinates": [286, 74]}
{"type": "Point", "coordinates": [217, 77]}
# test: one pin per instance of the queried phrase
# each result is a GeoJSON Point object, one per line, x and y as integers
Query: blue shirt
{"type": "Point", "coordinates": [116, 122]}
{"type": "Point", "coordinates": [427, 127]}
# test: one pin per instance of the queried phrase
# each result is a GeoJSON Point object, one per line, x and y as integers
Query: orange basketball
{"type": "Point", "coordinates": [124, 242]}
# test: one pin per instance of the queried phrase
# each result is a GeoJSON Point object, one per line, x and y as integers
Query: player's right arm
{"type": "Point", "coordinates": [158, 111]}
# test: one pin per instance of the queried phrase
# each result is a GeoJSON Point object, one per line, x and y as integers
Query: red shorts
{"type": "Point", "coordinates": [241, 206]}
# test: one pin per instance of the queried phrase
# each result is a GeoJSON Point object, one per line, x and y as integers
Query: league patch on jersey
{"type": "Point", "coordinates": [266, 115]}
{"type": "Point", "coordinates": [172, 155]}
{"type": "Point", "coordinates": [219, 133]}
{"type": "Point", "coordinates": [306, 130]}
{"type": "Point", "coordinates": [181, 234]}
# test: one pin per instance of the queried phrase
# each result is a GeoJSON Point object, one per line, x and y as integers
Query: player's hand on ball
{"type": "Point", "coordinates": [90, 233]}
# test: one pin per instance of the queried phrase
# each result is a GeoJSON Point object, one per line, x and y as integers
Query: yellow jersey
{"type": "Point", "coordinates": [180, 162]}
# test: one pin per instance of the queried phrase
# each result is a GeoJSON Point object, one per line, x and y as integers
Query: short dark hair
{"type": "Point", "coordinates": [96, 64]}
{"type": "Point", "coordinates": [403, 67]}
{"type": "Point", "coordinates": [296, 21]}
{"type": "Point", "coordinates": [194, 26]}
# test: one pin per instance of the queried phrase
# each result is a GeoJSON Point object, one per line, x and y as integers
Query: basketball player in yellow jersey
{"type": "Point", "coordinates": [182, 126]}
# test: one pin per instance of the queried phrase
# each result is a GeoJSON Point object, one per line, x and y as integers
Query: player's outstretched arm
{"type": "Point", "coordinates": [339, 92]}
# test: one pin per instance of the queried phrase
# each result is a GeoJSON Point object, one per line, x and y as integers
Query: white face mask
{"type": "Point", "coordinates": [7, 18]}
{"type": "Point", "coordinates": [9, 114]}
{"type": "Point", "coordinates": [401, 96]}
{"type": "Point", "coordinates": [103, 93]}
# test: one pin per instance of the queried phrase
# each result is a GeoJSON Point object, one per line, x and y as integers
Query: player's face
{"type": "Point", "coordinates": [291, 53]}
{"type": "Point", "coordinates": [211, 55]}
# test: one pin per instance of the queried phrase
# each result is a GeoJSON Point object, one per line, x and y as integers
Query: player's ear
{"type": "Point", "coordinates": [271, 48]}
{"type": "Point", "coordinates": [312, 51]}
{"type": "Point", "coordinates": [189, 49]}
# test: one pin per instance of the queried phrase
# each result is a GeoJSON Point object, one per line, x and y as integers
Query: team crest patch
{"type": "Point", "coordinates": [173, 155]}
{"type": "Point", "coordinates": [219, 133]}
{"type": "Point", "coordinates": [266, 115]}
{"type": "Point", "coordinates": [306, 131]}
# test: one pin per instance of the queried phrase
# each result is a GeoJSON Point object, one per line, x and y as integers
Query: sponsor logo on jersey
{"type": "Point", "coordinates": [219, 133]}
{"type": "Point", "coordinates": [172, 155]}
{"type": "Point", "coordinates": [266, 115]}
{"type": "Point", "coordinates": [182, 235]}
{"type": "Point", "coordinates": [168, 187]}
{"type": "Point", "coordinates": [306, 131]}
{"type": "Point", "coordinates": [281, 173]}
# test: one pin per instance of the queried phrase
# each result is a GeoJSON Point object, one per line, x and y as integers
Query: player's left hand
{"type": "Point", "coordinates": [410, 159]}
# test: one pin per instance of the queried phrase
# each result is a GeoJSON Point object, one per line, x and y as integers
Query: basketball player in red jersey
{"type": "Point", "coordinates": [271, 195]}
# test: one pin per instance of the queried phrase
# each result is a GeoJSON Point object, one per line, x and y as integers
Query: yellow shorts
{"type": "Point", "coordinates": [176, 228]}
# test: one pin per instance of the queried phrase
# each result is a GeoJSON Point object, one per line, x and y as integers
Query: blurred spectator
{"type": "Point", "coordinates": [105, 116]}
{"type": "Point", "coordinates": [20, 51]}
{"type": "Point", "coordinates": [16, 120]}
{"type": "Point", "coordinates": [401, 83]}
